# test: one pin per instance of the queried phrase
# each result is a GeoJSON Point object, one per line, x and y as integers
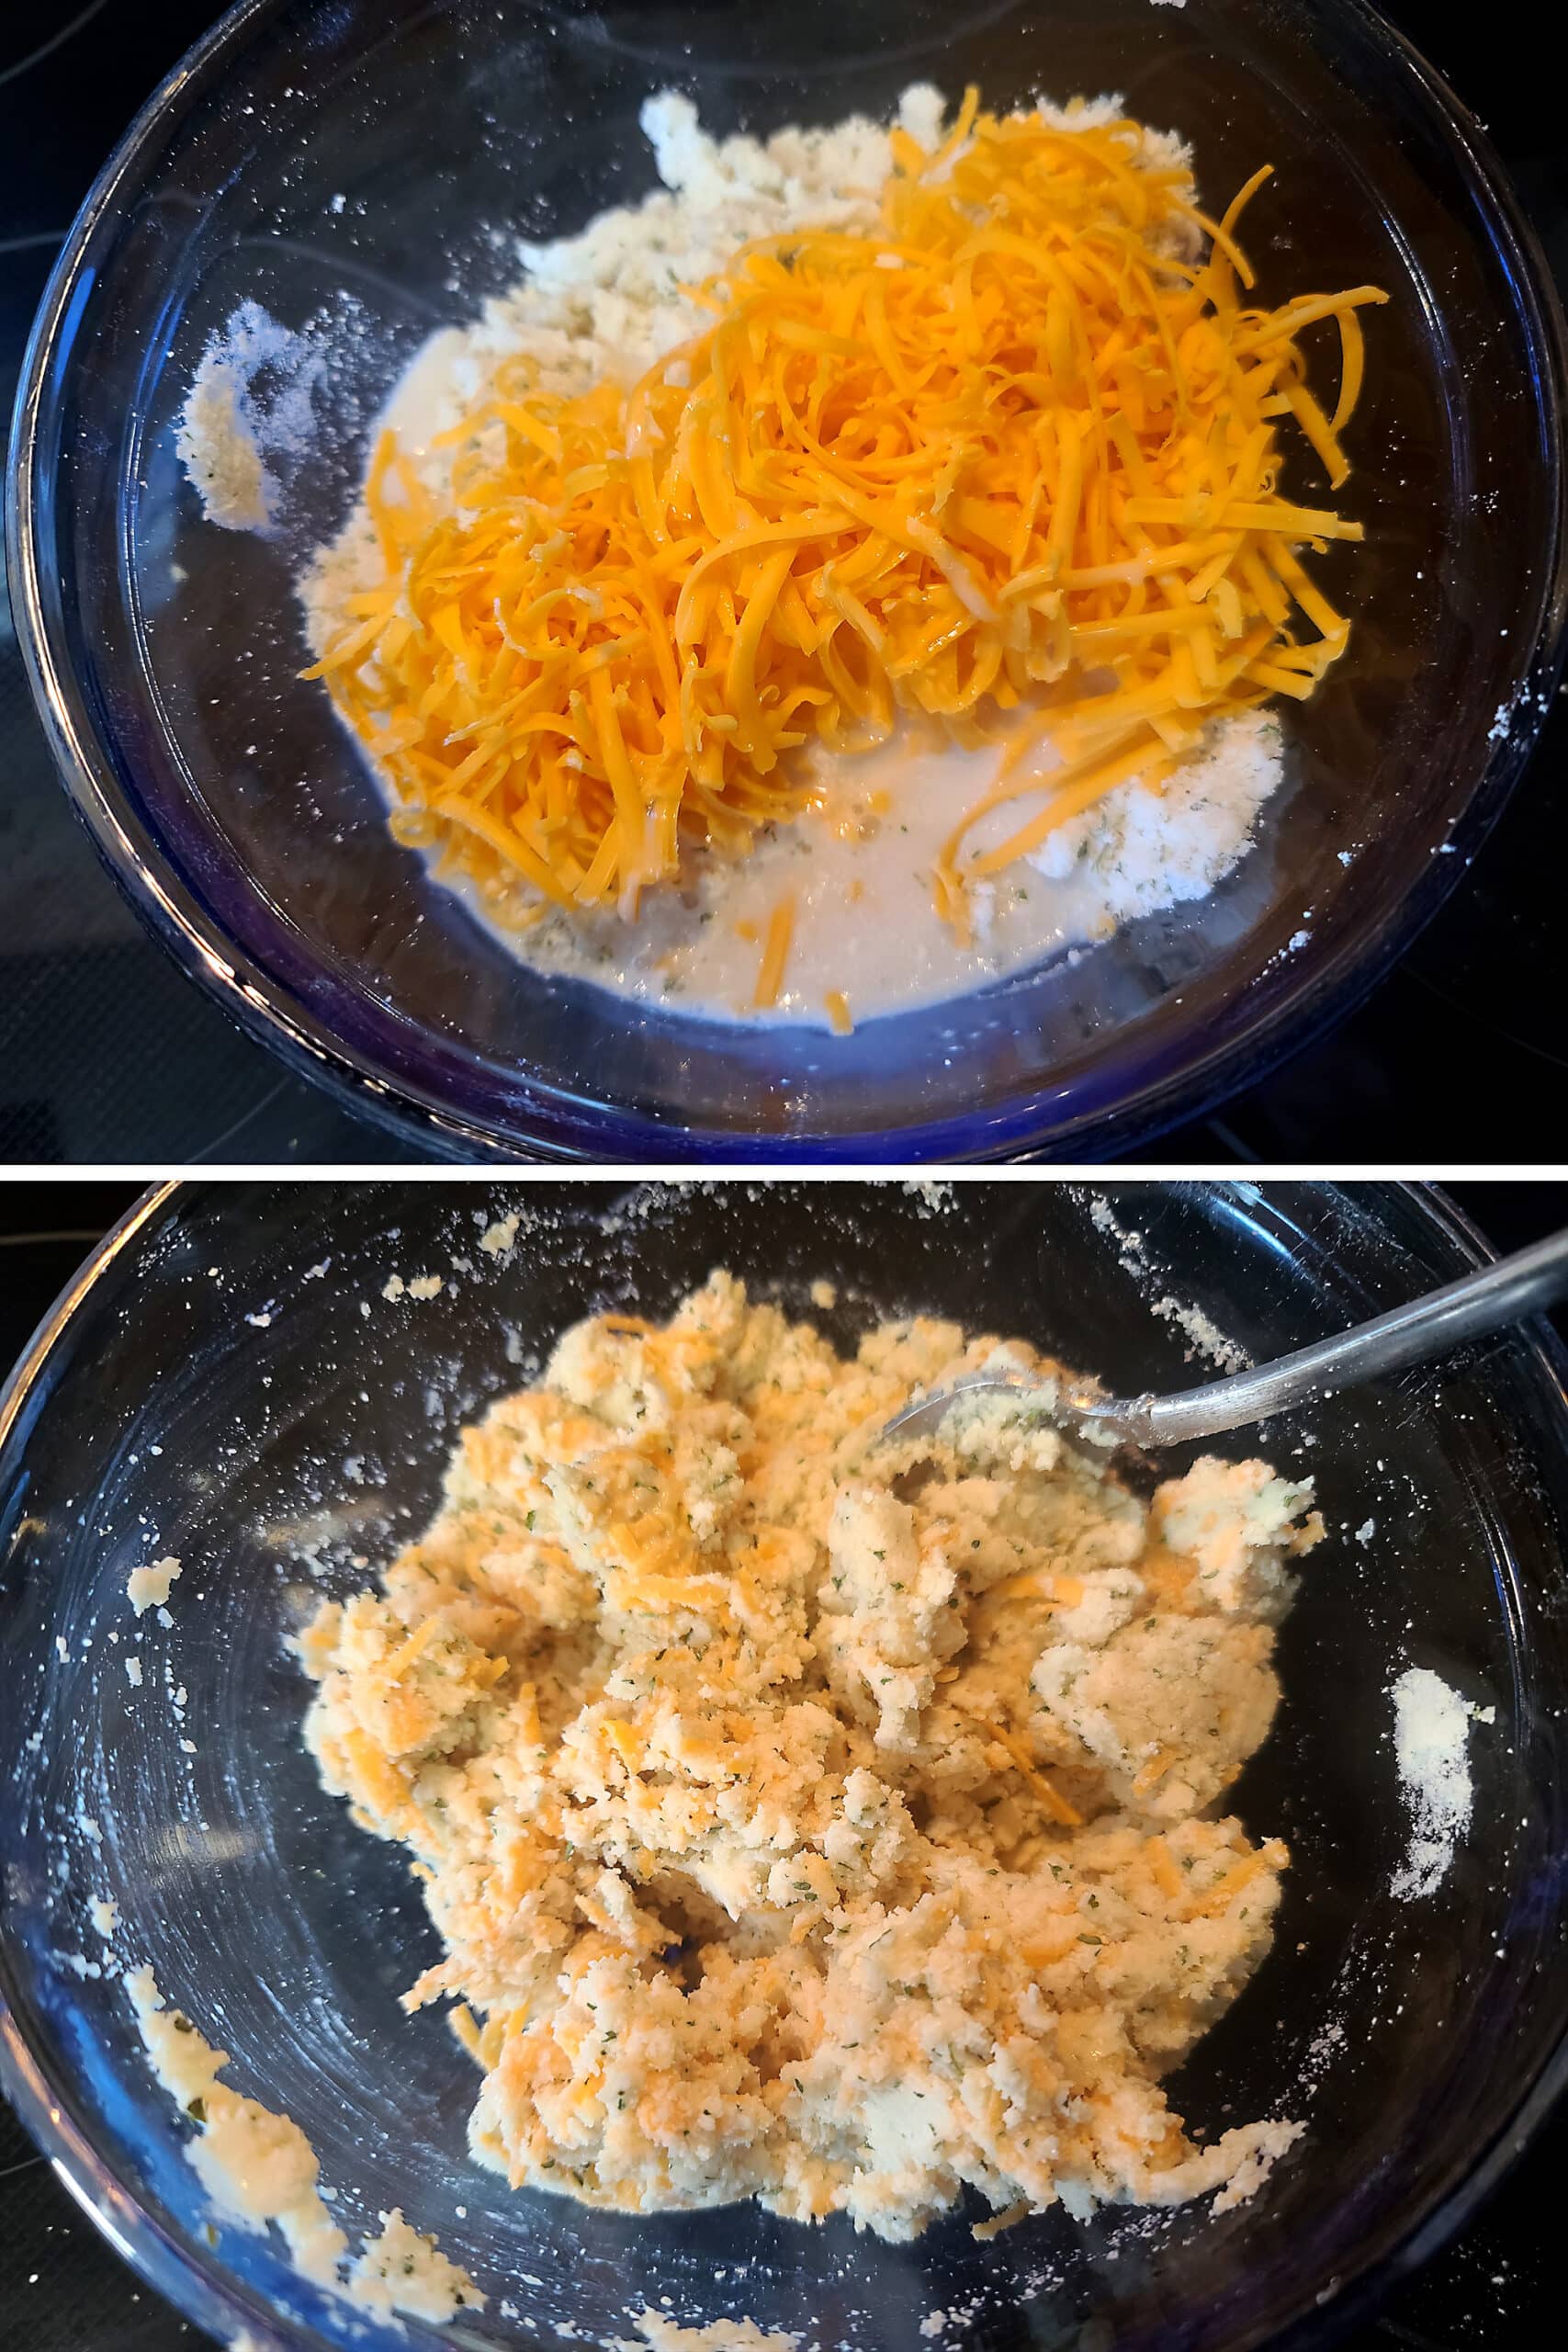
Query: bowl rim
{"type": "Point", "coordinates": [549, 1122]}
{"type": "Point", "coordinates": [210, 2296]}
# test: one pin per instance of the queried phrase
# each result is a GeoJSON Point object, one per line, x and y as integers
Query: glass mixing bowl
{"type": "Point", "coordinates": [361, 168]}
{"type": "Point", "coordinates": [227, 1380]}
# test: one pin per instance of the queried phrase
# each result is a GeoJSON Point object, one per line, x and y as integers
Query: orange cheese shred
{"type": "Point", "coordinates": [1054, 1804]}
{"type": "Point", "coordinates": [1011, 463]}
{"type": "Point", "coordinates": [776, 954]}
{"type": "Point", "coordinates": [1162, 1867]}
{"type": "Point", "coordinates": [1224, 1890]}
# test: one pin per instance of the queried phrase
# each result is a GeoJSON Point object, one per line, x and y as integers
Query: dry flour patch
{"type": "Point", "coordinates": [1431, 1740]}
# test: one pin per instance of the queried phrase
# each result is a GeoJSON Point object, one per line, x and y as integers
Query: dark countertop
{"type": "Point", "coordinates": [1495, 2289]}
{"type": "Point", "coordinates": [109, 1055]}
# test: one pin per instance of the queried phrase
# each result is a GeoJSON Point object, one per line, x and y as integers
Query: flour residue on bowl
{"type": "Point", "coordinates": [1194, 1322]}
{"type": "Point", "coordinates": [1432, 1731]}
{"type": "Point", "coordinates": [250, 413]}
{"type": "Point", "coordinates": [1204, 1333]}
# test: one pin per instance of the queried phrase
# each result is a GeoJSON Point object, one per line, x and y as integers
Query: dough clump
{"type": "Point", "coordinates": [811, 1820]}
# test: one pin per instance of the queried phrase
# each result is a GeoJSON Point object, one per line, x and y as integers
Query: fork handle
{"type": "Point", "coordinates": [1430, 1326]}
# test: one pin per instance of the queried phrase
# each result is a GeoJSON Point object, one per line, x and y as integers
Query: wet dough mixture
{"type": "Point", "coordinates": [811, 1821]}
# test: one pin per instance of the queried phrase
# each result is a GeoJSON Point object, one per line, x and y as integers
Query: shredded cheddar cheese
{"type": "Point", "coordinates": [1011, 462]}
{"type": "Point", "coordinates": [1056, 1805]}
{"type": "Point", "coordinates": [776, 954]}
{"type": "Point", "coordinates": [1167, 1878]}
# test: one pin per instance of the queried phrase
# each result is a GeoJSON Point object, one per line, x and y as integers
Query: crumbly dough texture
{"type": "Point", "coordinates": [149, 1588]}
{"type": "Point", "coordinates": [661, 2333]}
{"type": "Point", "coordinates": [255, 2165]}
{"type": "Point", "coordinates": [811, 1820]}
{"type": "Point", "coordinates": [258, 2168]}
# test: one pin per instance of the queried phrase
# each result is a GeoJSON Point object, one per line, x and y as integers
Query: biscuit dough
{"type": "Point", "coordinates": [811, 1820]}
{"type": "Point", "coordinates": [258, 2167]}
